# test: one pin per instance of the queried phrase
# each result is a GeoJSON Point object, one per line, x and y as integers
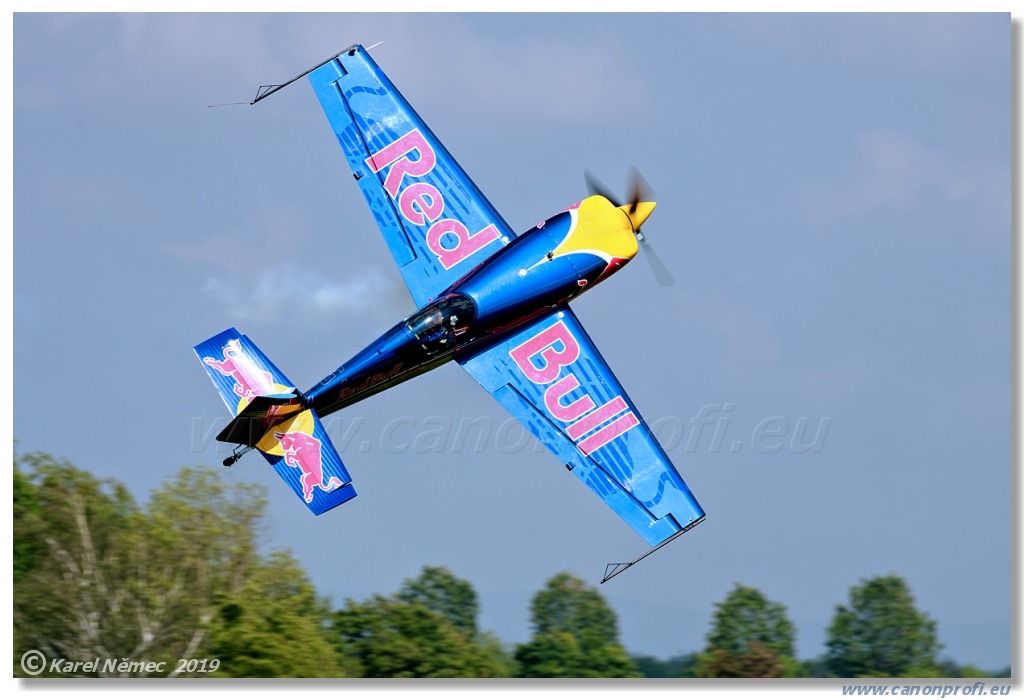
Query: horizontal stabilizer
{"type": "Point", "coordinates": [302, 454]}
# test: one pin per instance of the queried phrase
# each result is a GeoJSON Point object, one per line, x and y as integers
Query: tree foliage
{"type": "Point", "coordinates": [575, 635]}
{"type": "Point", "coordinates": [750, 637]}
{"type": "Point", "coordinates": [96, 575]}
{"type": "Point", "coordinates": [681, 666]}
{"type": "Point", "coordinates": [27, 546]}
{"type": "Point", "coordinates": [758, 661]}
{"type": "Point", "coordinates": [881, 633]}
{"type": "Point", "coordinates": [273, 627]}
{"type": "Point", "coordinates": [428, 629]}
{"type": "Point", "coordinates": [78, 593]}
{"type": "Point", "coordinates": [440, 591]}
{"type": "Point", "coordinates": [385, 637]}
{"type": "Point", "coordinates": [747, 616]}
{"type": "Point", "coordinates": [99, 577]}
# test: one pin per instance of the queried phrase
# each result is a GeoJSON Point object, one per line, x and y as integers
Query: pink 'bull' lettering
{"type": "Point", "coordinates": [541, 358]}
{"type": "Point", "coordinates": [250, 380]}
{"type": "Point", "coordinates": [303, 452]}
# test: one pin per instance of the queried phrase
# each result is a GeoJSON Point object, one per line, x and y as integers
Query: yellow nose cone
{"type": "Point", "coordinates": [641, 210]}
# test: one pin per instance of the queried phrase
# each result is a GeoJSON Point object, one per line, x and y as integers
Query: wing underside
{"type": "Point", "coordinates": [437, 223]}
{"type": "Point", "coordinates": [551, 377]}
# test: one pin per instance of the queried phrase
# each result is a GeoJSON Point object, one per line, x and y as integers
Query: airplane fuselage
{"type": "Point", "coordinates": [549, 265]}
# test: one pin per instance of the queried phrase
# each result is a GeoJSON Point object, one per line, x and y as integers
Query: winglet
{"type": "Point", "coordinates": [268, 90]}
{"type": "Point", "coordinates": [613, 570]}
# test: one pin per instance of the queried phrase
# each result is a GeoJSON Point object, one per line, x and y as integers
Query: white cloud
{"type": "Point", "coordinates": [290, 292]}
{"type": "Point", "coordinates": [261, 274]}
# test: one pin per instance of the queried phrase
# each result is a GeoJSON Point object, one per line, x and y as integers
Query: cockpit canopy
{"type": "Point", "coordinates": [437, 326]}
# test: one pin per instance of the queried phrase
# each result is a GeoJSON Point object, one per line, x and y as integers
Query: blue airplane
{"type": "Point", "coordinates": [495, 302]}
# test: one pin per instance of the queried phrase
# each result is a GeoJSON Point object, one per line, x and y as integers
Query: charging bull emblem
{"type": "Point", "coordinates": [250, 380]}
{"type": "Point", "coordinates": [303, 452]}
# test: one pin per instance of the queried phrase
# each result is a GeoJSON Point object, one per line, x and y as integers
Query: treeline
{"type": "Point", "coordinates": [880, 633]}
{"type": "Point", "coordinates": [160, 588]}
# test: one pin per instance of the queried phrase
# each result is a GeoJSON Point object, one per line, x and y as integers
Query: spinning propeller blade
{"type": "Point", "coordinates": [595, 187]}
{"type": "Point", "coordinates": [661, 272]}
{"type": "Point", "coordinates": [640, 192]}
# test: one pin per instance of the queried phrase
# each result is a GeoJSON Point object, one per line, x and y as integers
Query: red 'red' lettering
{"type": "Point", "coordinates": [420, 202]}
{"type": "Point", "coordinates": [400, 149]}
{"type": "Point", "coordinates": [557, 391]}
{"type": "Point", "coordinates": [466, 243]}
{"type": "Point", "coordinates": [543, 344]}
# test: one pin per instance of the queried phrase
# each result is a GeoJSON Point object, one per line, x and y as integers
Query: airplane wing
{"type": "Point", "coordinates": [551, 377]}
{"type": "Point", "coordinates": [436, 222]}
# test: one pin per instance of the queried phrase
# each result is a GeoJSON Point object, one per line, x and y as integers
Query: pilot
{"type": "Point", "coordinates": [433, 331]}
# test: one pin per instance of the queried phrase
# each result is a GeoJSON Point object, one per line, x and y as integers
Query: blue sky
{"type": "Point", "coordinates": [833, 199]}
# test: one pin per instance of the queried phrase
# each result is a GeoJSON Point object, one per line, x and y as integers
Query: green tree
{"type": "Point", "coordinates": [441, 591]}
{"type": "Point", "coordinates": [76, 596]}
{"type": "Point", "coordinates": [681, 666]}
{"type": "Point", "coordinates": [575, 635]}
{"type": "Point", "coordinates": [100, 577]}
{"type": "Point", "coordinates": [551, 655]}
{"type": "Point", "coordinates": [747, 616]}
{"type": "Point", "coordinates": [273, 627]}
{"type": "Point", "coordinates": [201, 540]}
{"type": "Point", "coordinates": [948, 668]}
{"type": "Point", "coordinates": [389, 638]}
{"type": "Point", "coordinates": [758, 661]}
{"type": "Point", "coordinates": [881, 633]}
{"type": "Point", "coordinates": [27, 543]}
{"type": "Point", "coordinates": [750, 637]}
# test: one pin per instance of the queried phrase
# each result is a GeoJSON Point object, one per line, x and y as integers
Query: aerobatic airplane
{"type": "Point", "coordinates": [495, 302]}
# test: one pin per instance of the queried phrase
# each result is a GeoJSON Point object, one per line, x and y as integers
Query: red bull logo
{"type": "Point", "coordinates": [250, 379]}
{"type": "Point", "coordinates": [421, 203]}
{"type": "Point", "coordinates": [302, 452]}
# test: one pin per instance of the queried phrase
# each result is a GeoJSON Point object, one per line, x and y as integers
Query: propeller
{"type": "Point", "coordinates": [640, 192]}
{"type": "Point", "coordinates": [595, 187]}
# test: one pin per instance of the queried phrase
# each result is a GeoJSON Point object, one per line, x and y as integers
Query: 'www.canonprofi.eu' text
{"type": "Point", "coordinates": [929, 689]}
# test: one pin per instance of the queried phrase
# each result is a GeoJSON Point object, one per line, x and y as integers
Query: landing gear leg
{"type": "Point", "coordinates": [236, 455]}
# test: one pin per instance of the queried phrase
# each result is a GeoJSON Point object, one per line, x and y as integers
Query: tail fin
{"type": "Point", "coordinates": [271, 415]}
{"type": "Point", "coordinates": [239, 370]}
